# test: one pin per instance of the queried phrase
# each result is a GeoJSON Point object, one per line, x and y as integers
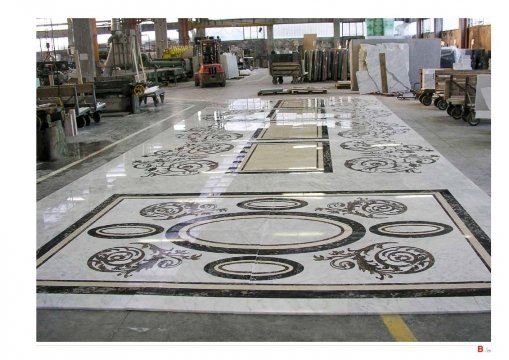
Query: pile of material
{"type": "Point", "coordinates": [387, 73]}
{"type": "Point", "coordinates": [324, 65]}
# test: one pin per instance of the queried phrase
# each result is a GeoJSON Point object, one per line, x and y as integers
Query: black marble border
{"type": "Point", "coordinates": [465, 217]}
{"type": "Point", "coordinates": [295, 267]}
{"type": "Point", "coordinates": [445, 229]}
{"type": "Point", "coordinates": [325, 136]}
{"type": "Point", "coordinates": [358, 233]}
{"type": "Point", "coordinates": [245, 293]}
{"type": "Point", "coordinates": [86, 218]}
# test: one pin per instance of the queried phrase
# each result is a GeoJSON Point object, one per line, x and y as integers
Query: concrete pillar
{"type": "Point", "coordinates": [439, 25]}
{"type": "Point", "coordinates": [183, 31]}
{"type": "Point", "coordinates": [70, 34]}
{"type": "Point", "coordinates": [464, 33]}
{"type": "Point", "coordinates": [337, 39]}
{"type": "Point", "coordinates": [161, 30]}
{"type": "Point", "coordinates": [201, 32]}
{"type": "Point", "coordinates": [84, 43]}
{"type": "Point", "coordinates": [270, 38]}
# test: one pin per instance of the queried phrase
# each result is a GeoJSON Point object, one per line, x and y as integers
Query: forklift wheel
{"type": "Point", "coordinates": [87, 119]}
{"type": "Point", "coordinates": [97, 116]}
{"type": "Point", "coordinates": [280, 80]}
{"type": "Point", "coordinates": [223, 84]}
{"type": "Point", "coordinates": [442, 104]}
{"type": "Point", "coordinates": [274, 80]}
{"type": "Point", "coordinates": [80, 122]}
{"type": "Point", "coordinates": [427, 100]}
{"type": "Point", "coordinates": [457, 112]}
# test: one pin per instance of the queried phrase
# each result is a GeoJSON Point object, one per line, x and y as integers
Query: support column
{"type": "Point", "coordinates": [84, 43]}
{"type": "Point", "coordinates": [464, 33]}
{"type": "Point", "coordinates": [337, 38]}
{"type": "Point", "coordinates": [201, 32]}
{"type": "Point", "coordinates": [161, 30]}
{"type": "Point", "coordinates": [183, 31]}
{"type": "Point", "coordinates": [439, 25]}
{"type": "Point", "coordinates": [70, 34]}
{"type": "Point", "coordinates": [419, 29]}
{"type": "Point", "coordinates": [270, 38]}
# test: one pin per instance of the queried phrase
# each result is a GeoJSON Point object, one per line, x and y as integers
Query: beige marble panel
{"type": "Point", "coordinates": [276, 132]}
{"type": "Point", "coordinates": [283, 157]}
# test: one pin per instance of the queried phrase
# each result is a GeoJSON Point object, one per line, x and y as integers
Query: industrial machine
{"type": "Point", "coordinates": [206, 56]}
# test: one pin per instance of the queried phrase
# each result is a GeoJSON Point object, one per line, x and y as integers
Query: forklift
{"type": "Point", "coordinates": [206, 59]}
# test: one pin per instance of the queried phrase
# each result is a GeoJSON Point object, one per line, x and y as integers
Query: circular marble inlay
{"type": "Point", "coordinates": [410, 229]}
{"type": "Point", "coordinates": [125, 231]}
{"type": "Point", "coordinates": [253, 268]}
{"type": "Point", "coordinates": [265, 232]}
{"type": "Point", "coordinates": [272, 204]}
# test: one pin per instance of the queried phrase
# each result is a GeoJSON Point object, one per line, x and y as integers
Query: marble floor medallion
{"type": "Point", "coordinates": [333, 246]}
{"type": "Point", "coordinates": [319, 205]}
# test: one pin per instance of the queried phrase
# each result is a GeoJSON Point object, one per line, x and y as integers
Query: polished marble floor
{"type": "Point", "coordinates": [328, 205]}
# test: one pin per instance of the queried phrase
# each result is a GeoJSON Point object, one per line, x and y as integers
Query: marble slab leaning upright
{"type": "Point", "coordinates": [396, 63]}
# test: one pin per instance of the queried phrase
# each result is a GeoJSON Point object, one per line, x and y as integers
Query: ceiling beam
{"type": "Point", "coordinates": [207, 23]}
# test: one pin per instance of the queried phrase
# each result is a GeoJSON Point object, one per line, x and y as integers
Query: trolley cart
{"type": "Point", "coordinates": [285, 65]}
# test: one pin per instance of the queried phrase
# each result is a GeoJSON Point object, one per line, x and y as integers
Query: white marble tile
{"type": "Point", "coordinates": [264, 306]}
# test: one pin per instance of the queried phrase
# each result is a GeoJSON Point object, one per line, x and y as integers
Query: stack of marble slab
{"type": "Point", "coordinates": [369, 76]}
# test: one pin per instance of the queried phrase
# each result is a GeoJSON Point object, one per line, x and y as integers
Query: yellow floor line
{"type": "Point", "coordinates": [397, 327]}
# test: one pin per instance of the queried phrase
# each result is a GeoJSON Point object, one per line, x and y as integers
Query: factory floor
{"type": "Point", "coordinates": [467, 148]}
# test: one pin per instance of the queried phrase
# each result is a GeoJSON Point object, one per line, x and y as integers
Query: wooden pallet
{"type": "Point", "coordinates": [292, 91]}
{"type": "Point", "coordinates": [343, 84]}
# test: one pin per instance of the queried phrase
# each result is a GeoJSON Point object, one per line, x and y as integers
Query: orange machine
{"type": "Point", "coordinates": [210, 71]}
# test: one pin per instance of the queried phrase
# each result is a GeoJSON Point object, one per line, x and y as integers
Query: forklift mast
{"type": "Point", "coordinates": [208, 49]}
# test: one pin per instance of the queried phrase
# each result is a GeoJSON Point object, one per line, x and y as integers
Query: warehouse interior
{"type": "Point", "coordinates": [259, 180]}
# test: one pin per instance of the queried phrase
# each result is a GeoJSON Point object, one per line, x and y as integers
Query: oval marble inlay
{"type": "Point", "coordinates": [125, 231]}
{"type": "Point", "coordinates": [253, 268]}
{"type": "Point", "coordinates": [265, 232]}
{"type": "Point", "coordinates": [411, 229]}
{"type": "Point", "coordinates": [272, 204]}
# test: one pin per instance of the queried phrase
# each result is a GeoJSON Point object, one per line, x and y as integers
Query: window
{"type": "Point", "coordinates": [450, 24]}
{"type": "Point", "coordinates": [478, 21]}
{"type": "Point", "coordinates": [226, 33]}
{"type": "Point", "coordinates": [352, 29]}
{"type": "Point", "coordinates": [289, 31]}
{"type": "Point", "coordinates": [255, 32]}
{"type": "Point", "coordinates": [428, 25]}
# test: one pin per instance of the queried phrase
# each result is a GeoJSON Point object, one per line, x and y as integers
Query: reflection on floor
{"type": "Point", "coordinates": [333, 212]}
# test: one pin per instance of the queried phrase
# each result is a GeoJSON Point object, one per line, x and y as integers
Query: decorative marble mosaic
{"type": "Point", "coordinates": [375, 244]}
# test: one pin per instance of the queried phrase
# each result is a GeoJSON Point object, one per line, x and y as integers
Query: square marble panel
{"type": "Point", "coordinates": [420, 247]}
{"type": "Point", "coordinates": [284, 157]}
